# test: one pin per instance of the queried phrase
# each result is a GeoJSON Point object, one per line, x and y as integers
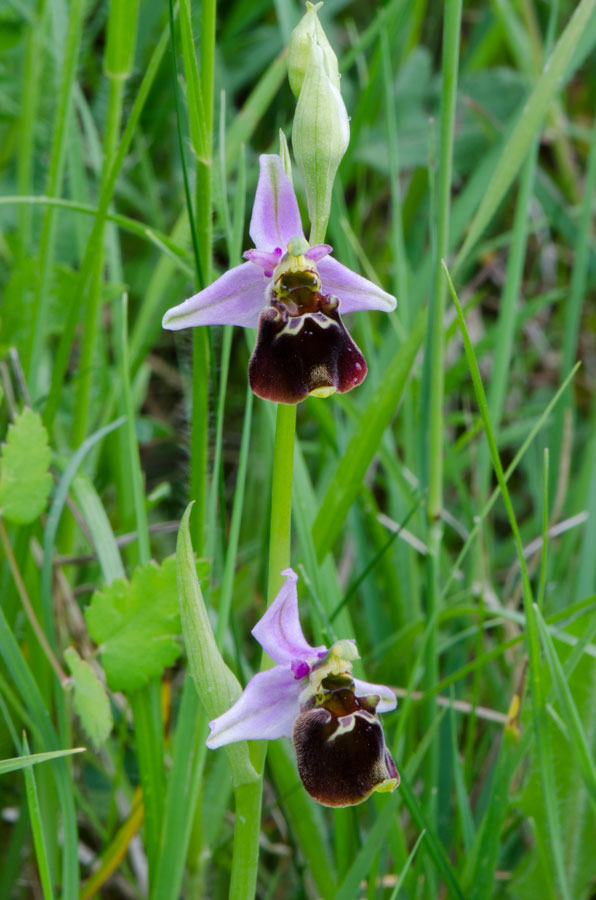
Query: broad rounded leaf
{"type": "Point", "coordinates": [136, 625]}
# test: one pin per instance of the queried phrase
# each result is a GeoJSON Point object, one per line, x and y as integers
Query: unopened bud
{"type": "Point", "coordinates": [320, 136]}
{"type": "Point", "coordinates": [309, 30]}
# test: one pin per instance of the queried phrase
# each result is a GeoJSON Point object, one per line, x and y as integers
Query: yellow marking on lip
{"type": "Point", "coordinates": [323, 391]}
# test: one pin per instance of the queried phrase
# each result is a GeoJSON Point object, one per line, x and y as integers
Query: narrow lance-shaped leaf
{"type": "Point", "coordinates": [90, 699]}
{"type": "Point", "coordinates": [217, 686]}
{"type": "Point", "coordinates": [33, 759]}
{"type": "Point", "coordinates": [24, 478]}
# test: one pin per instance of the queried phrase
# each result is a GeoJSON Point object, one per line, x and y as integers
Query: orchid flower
{"type": "Point", "coordinates": [294, 293]}
{"type": "Point", "coordinates": [311, 696]}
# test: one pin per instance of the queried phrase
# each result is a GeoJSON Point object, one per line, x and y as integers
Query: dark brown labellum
{"type": "Point", "coordinates": [340, 748]}
{"type": "Point", "coordinates": [303, 348]}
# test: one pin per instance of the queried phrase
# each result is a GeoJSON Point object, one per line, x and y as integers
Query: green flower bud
{"type": "Point", "coordinates": [320, 136]}
{"type": "Point", "coordinates": [309, 30]}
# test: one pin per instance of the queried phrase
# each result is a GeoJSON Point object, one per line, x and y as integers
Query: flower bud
{"type": "Point", "coordinates": [309, 30]}
{"type": "Point", "coordinates": [320, 136]}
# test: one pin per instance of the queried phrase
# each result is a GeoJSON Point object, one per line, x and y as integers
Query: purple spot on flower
{"type": "Point", "coordinates": [299, 668]}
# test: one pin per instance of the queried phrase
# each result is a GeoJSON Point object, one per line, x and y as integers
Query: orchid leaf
{"type": "Point", "coordinates": [91, 702]}
{"type": "Point", "coordinates": [25, 481]}
{"type": "Point", "coordinates": [217, 686]}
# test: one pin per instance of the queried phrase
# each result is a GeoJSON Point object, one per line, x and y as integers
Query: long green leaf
{"type": "Point", "coordinates": [23, 762]}
{"type": "Point", "coordinates": [349, 474]}
{"type": "Point", "coordinates": [528, 124]}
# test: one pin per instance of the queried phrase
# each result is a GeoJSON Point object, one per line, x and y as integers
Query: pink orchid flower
{"type": "Point", "coordinates": [311, 696]}
{"type": "Point", "coordinates": [294, 294]}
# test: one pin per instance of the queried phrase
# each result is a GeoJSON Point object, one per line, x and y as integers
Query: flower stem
{"type": "Point", "coordinates": [281, 497]}
{"type": "Point", "coordinates": [247, 830]}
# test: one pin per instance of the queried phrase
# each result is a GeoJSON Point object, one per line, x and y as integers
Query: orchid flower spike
{"type": "Point", "coordinates": [294, 293]}
{"type": "Point", "coordinates": [312, 697]}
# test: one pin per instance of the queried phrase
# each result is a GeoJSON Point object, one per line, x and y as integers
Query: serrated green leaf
{"type": "Point", "coordinates": [24, 478]}
{"type": "Point", "coordinates": [136, 625]}
{"type": "Point", "coordinates": [90, 699]}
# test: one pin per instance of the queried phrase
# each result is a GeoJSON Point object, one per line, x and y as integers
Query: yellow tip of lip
{"type": "Point", "coordinates": [385, 787]}
{"type": "Point", "coordinates": [323, 391]}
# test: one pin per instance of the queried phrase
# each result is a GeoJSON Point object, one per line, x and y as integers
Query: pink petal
{"type": "Point", "coordinates": [265, 259]}
{"type": "Point", "coordinates": [388, 700]}
{"type": "Point", "coordinates": [234, 299]}
{"type": "Point", "coordinates": [319, 251]}
{"type": "Point", "coordinates": [354, 291]}
{"type": "Point", "coordinates": [275, 214]}
{"type": "Point", "coordinates": [279, 632]}
{"type": "Point", "coordinates": [265, 710]}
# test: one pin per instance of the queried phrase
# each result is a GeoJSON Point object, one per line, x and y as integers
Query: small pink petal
{"type": "Point", "coordinates": [319, 251]}
{"type": "Point", "coordinates": [275, 214]}
{"type": "Point", "coordinates": [265, 259]}
{"type": "Point", "coordinates": [354, 291]}
{"type": "Point", "coordinates": [234, 299]}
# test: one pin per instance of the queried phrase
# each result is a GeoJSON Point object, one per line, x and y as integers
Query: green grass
{"type": "Point", "coordinates": [442, 513]}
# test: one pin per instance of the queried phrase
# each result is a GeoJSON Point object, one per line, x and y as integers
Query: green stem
{"type": "Point", "coordinates": [93, 304]}
{"type": "Point", "coordinates": [30, 103]}
{"type": "Point", "coordinates": [451, 34]}
{"type": "Point", "coordinates": [436, 349]}
{"type": "Point", "coordinates": [39, 313]}
{"type": "Point", "coordinates": [281, 498]}
{"type": "Point", "coordinates": [203, 223]}
{"type": "Point", "coordinates": [247, 830]}
{"type": "Point", "coordinates": [245, 861]}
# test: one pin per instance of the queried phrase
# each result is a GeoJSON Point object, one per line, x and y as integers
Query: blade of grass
{"type": "Point", "coordinates": [33, 759]}
{"type": "Point", "coordinates": [433, 387]}
{"type": "Point", "coordinates": [561, 63]}
{"type": "Point", "coordinates": [481, 864]}
{"type": "Point", "coordinates": [176, 252]}
{"type": "Point", "coordinates": [146, 702]}
{"type": "Point", "coordinates": [402, 875]}
{"type": "Point", "coordinates": [538, 705]}
{"type": "Point", "coordinates": [304, 819]}
{"type": "Point", "coordinates": [105, 198]}
{"type": "Point", "coordinates": [361, 448]}
{"type": "Point", "coordinates": [577, 294]}
{"type": "Point", "coordinates": [350, 887]}
{"type": "Point", "coordinates": [433, 844]}
{"type": "Point", "coordinates": [579, 744]}
{"type": "Point", "coordinates": [118, 62]}
{"type": "Point", "coordinates": [508, 473]}
{"type": "Point", "coordinates": [37, 829]}
{"type": "Point", "coordinates": [116, 851]}
{"type": "Point", "coordinates": [23, 679]}
{"type": "Point", "coordinates": [39, 313]}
